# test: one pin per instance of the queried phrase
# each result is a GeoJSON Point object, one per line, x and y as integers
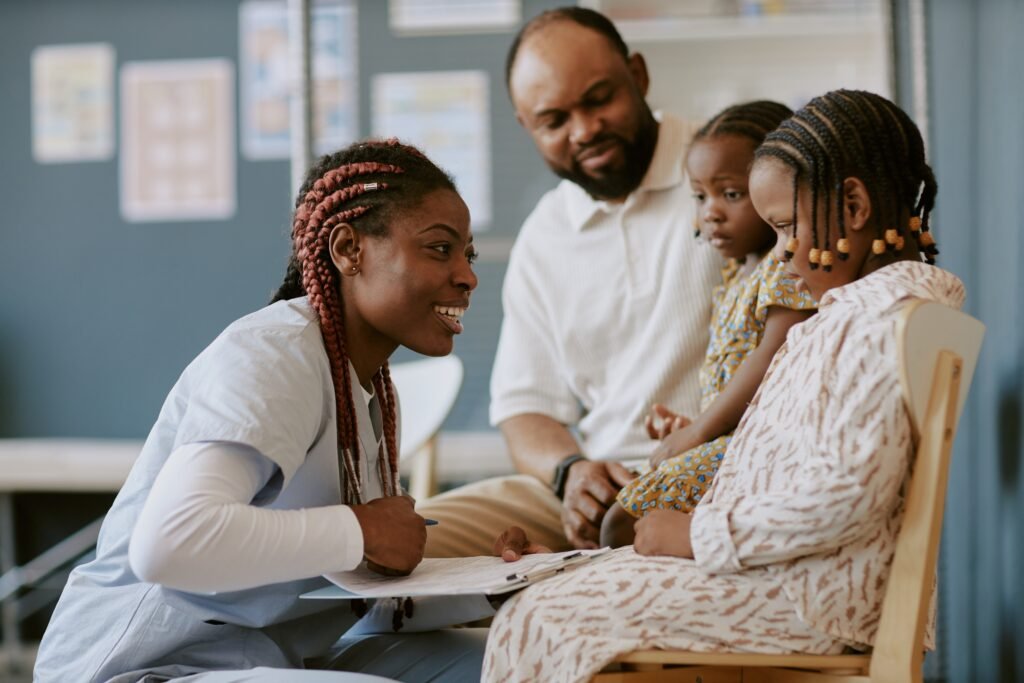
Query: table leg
{"type": "Point", "coordinates": [11, 648]}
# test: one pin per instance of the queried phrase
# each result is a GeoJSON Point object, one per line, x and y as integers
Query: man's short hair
{"type": "Point", "coordinates": [582, 16]}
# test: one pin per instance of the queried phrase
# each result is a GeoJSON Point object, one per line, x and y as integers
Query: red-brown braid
{"type": "Point", "coordinates": [389, 410]}
{"type": "Point", "coordinates": [311, 230]}
{"type": "Point", "coordinates": [349, 186]}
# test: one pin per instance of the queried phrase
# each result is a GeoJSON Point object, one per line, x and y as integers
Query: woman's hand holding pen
{"type": "Point", "coordinates": [394, 536]}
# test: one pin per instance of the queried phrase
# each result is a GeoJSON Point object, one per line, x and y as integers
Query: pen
{"type": "Point", "coordinates": [430, 522]}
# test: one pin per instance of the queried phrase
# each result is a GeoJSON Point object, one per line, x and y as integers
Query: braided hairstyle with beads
{"type": "Point", "coordinates": [853, 133]}
{"type": "Point", "coordinates": [365, 186]}
{"type": "Point", "coordinates": [751, 120]}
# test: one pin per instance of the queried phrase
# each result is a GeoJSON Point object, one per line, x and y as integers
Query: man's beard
{"type": "Point", "coordinates": [636, 159]}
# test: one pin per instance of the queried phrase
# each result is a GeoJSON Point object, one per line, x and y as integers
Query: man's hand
{"type": "Point", "coordinates": [677, 442]}
{"type": "Point", "coordinates": [394, 536]}
{"type": "Point", "coordinates": [590, 489]}
{"type": "Point", "coordinates": [661, 422]}
{"type": "Point", "coordinates": [664, 532]}
{"type": "Point", "coordinates": [512, 544]}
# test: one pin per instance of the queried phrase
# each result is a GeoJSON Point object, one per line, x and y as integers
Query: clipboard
{"type": "Point", "coordinates": [455, 576]}
{"type": "Point", "coordinates": [521, 579]}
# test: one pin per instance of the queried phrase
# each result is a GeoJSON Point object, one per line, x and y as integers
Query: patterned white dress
{"type": "Point", "coordinates": [794, 540]}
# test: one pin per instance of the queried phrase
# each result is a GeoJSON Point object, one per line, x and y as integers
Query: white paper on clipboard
{"type": "Point", "coordinates": [455, 576]}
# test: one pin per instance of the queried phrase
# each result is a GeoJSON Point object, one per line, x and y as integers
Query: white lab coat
{"type": "Point", "coordinates": [264, 382]}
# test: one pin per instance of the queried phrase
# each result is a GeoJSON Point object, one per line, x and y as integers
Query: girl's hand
{"type": "Point", "coordinates": [661, 422]}
{"type": "Point", "coordinates": [664, 532]}
{"type": "Point", "coordinates": [512, 544]}
{"type": "Point", "coordinates": [677, 442]}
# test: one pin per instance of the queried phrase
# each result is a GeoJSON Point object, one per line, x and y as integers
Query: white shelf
{"type": "Point", "coordinates": [673, 29]}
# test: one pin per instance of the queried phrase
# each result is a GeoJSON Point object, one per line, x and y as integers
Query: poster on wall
{"type": "Point", "coordinates": [453, 16]}
{"type": "Point", "coordinates": [73, 103]}
{"type": "Point", "coordinates": [446, 114]}
{"type": "Point", "coordinates": [177, 140]}
{"type": "Point", "coordinates": [266, 76]}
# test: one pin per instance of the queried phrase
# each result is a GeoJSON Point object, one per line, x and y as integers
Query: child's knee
{"type": "Point", "coordinates": [617, 527]}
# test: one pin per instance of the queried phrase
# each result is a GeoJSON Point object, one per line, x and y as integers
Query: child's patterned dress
{"type": "Point", "coordinates": [740, 309]}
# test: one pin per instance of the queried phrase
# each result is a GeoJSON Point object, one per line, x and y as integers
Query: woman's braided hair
{"type": "Point", "coordinates": [364, 185]}
{"type": "Point", "coordinates": [853, 133]}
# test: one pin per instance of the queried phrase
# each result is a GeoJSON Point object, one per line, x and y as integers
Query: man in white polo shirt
{"type": "Point", "coordinates": [607, 298]}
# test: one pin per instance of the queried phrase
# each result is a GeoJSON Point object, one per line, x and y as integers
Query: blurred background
{"type": "Point", "coordinates": [146, 189]}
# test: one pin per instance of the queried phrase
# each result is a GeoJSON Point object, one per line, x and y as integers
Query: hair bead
{"type": "Point", "coordinates": [900, 243]}
{"type": "Point", "coordinates": [814, 257]}
{"type": "Point", "coordinates": [914, 224]}
{"type": "Point", "coordinates": [890, 239]}
{"type": "Point", "coordinates": [826, 261]}
{"type": "Point", "coordinates": [843, 247]}
{"type": "Point", "coordinates": [878, 247]}
{"type": "Point", "coordinates": [927, 242]}
{"type": "Point", "coordinates": [792, 244]}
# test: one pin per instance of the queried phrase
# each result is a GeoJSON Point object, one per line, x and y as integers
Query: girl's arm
{"type": "Point", "coordinates": [722, 416]}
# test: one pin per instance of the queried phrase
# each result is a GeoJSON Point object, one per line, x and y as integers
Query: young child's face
{"type": "Point", "coordinates": [771, 192]}
{"type": "Point", "coordinates": [718, 168]}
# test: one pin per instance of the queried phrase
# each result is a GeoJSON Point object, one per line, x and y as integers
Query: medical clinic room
{"type": "Point", "coordinates": [513, 341]}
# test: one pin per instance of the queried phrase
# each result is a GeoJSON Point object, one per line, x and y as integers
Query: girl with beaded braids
{"type": "Point", "coordinates": [274, 458]}
{"type": "Point", "coordinates": [790, 549]}
{"type": "Point", "coordinates": [849, 151]}
{"type": "Point", "coordinates": [754, 308]}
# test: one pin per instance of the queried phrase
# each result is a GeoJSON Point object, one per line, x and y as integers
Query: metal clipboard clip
{"type": "Point", "coordinates": [558, 566]}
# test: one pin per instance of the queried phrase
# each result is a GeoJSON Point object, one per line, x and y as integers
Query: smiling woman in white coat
{"type": "Point", "coordinates": [274, 458]}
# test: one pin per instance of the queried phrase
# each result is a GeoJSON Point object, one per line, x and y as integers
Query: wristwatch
{"type": "Point", "coordinates": [562, 474]}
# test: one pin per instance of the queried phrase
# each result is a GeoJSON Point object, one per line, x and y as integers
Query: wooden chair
{"type": "Point", "coordinates": [939, 348]}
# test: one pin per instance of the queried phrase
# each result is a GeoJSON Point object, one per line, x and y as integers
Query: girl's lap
{"type": "Point", "coordinates": [629, 602]}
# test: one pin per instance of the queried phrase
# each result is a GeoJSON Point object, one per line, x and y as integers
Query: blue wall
{"type": "Point", "coordinates": [975, 59]}
{"type": "Point", "coordinates": [98, 316]}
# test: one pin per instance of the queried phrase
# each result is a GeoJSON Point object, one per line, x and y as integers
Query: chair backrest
{"type": "Point", "coordinates": [939, 350]}
{"type": "Point", "coordinates": [427, 390]}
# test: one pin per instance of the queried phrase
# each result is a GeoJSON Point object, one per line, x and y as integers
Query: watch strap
{"type": "Point", "coordinates": [562, 473]}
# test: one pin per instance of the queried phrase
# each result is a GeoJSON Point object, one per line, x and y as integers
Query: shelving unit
{"type": "Point", "coordinates": [701, 61]}
{"type": "Point", "coordinates": [677, 29]}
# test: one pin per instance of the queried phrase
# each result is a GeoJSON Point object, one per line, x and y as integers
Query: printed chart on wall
{"type": "Point", "coordinates": [446, 114]}
{"type": "Point", "coordinates": [73, 103]}
{"type": "Point", "coordinates": [177, 140]}
{"type": "Point", "coordinates": [411, 17]}
{"type": "Point", "coordinates": [265, 76]}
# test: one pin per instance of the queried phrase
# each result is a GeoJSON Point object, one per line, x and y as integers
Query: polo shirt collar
{"type": "Point", "coordinates": [665, 171]}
